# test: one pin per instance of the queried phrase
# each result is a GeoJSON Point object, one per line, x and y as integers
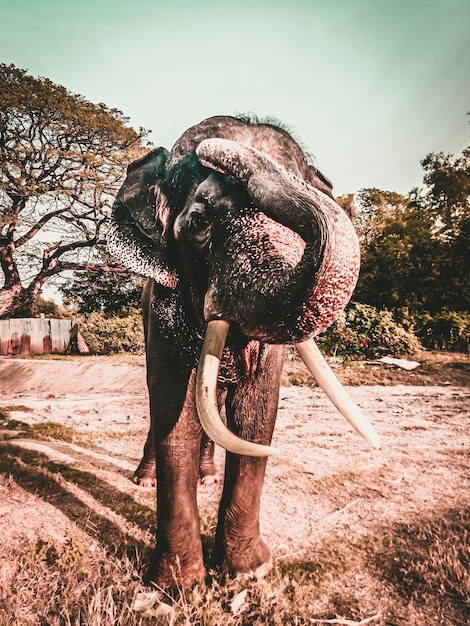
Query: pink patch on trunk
{"type": "Point", "coordinates": [285, 241]}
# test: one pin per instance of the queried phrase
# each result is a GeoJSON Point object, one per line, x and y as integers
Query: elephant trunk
{"type": "Point", "coordinates": [297, 297]}
{"type": "Point", "coordinates": [290, 301]}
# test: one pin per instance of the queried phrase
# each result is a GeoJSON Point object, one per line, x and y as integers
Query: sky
{"type": "Point", "coordinates": [370, 87]}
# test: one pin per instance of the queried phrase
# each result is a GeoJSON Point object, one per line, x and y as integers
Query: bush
{"type": "Point", "coordinates": [362, 331]}
{"type": "Point", "coordinates": [105, 334]}
{"type": "Point", "coordinates": [448, 330]}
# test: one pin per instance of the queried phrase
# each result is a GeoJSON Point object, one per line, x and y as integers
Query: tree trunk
{"type": "Point", "coordinates": [11, 300]}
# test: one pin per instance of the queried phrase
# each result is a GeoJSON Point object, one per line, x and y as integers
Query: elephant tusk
{"type": "Point", "coordinates": [206, 395]}
{"type": "Point", "coordinates": [321, 371]}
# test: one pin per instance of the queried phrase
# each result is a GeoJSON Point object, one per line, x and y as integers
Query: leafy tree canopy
{"type": "Point", "coordinates": [62, 159]}
{"type": "Point", "coordinates": [445, 198]}
{"type": "Point", "coordinates": [415, 249]}
{"type": "Point", "coordinates": [103, 292]}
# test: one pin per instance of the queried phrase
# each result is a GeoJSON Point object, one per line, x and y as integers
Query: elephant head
{"type": "Point", "coordinates": [272, 254]}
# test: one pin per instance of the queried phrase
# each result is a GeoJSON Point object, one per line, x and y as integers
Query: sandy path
{"type": "Point", "coordinates": [325, 475]}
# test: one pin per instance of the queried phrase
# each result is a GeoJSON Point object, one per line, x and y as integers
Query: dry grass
{"type": "Point", "coordinates": [426, 559]}
{"type": "Point", "coordinates": [125, 358]}
{"type": "Point", "coordinates": [365, 570]}
{"type": "Point", "coordinates": [419, 571]}
{"type": "Point", "coordinates": [70, 585]}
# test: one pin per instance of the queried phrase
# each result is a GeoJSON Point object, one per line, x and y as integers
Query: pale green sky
{"type": "Point", "coordinates": [369, 86]}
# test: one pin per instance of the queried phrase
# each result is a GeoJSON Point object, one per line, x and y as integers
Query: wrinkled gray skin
{"type": "Point", "coordinates": [224, 234]}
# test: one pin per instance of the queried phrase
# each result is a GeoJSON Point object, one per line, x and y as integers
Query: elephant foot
{"type": "Point", "coordinates": [207, 473]}
{"type": "Point", "coordinates": [254, 560]}
{"type": "Point", "coordinates": [207, 470]}
{"type": "Point", "coordinates": [207, 481]}
{"type": "Point", "coordinates": [146, 473]}
{"type": "Point", "coordinates": [170, 574]}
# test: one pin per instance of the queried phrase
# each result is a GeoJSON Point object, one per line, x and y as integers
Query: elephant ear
{"type": "Point", "coordinates": [318, 180]}
{"type": "Point", "coordinates": [139, 220]}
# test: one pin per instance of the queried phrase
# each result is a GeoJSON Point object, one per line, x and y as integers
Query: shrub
{"type": "Point", "coordinates": [448, 330]}
{"type": "Point", "coordinates": [105, 334]}
{"type": "Point", "coordinates": [362, 331]}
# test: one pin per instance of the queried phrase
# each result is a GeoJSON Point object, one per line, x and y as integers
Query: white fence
{"type": "Point", "coordinates": [36, 335]}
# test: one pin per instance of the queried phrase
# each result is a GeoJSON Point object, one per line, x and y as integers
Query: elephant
{"type": "Point", "coordinates": [245, 251]}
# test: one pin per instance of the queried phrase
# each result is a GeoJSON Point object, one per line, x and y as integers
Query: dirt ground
{"type": "Point", "coordinates": [325, 477]}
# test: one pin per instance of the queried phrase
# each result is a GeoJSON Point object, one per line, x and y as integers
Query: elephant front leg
{"type": "Point", "coordinates": [178, 560]}
{"type": "Point", "coordinates": [240, 549]}
{"type": "Point", "coordinates": [146, 473]}
{"type": "Point", "coordinates": [251, 409]}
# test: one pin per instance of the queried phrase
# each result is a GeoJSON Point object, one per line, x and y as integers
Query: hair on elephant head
{"type": "Point", "coordinates": [247, 250]}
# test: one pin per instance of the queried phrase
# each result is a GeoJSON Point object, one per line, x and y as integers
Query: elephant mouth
{"type": "Point", "coordinates": [200, 239]}
{"type": "Point", "coordinates": [206, 393]}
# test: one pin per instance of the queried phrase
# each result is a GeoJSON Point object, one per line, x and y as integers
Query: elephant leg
{"type": "Point", "coordinates": [178, 560]}
{"type": "Point", "coordinates": [207, 469]}
{"type": "Point", "coordinates": [146, 473]}
{"type": "Point", "coordinates": [251, 412]}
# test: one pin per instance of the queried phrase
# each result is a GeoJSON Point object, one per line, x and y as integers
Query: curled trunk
{"type": "Point", "coordinates": [280, 296]}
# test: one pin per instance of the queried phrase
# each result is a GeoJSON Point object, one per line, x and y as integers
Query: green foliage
{"type": "Point", "coordinates": [41, 306]}
{"type": "Point", "coordinates": [71, 554]}
{"type": "Point", "coordinates": [415, 250]}
{"type": "Point", "coordinates": [400, 262]}
{"type": "Point", "coordinates": [374, 209]}
{"type": "Point", "coordinates": [448, 330]}
{"type": "Point", "coordinates": [447, 192]}
{"type": "Point", "coordinates": [362, 331]}
{"type": "Point", "coordinates": [57, 141]}
{"type": "Point", "coordinates": [103, 292]}
{"type": "Point", "coordinates": [106, 334]}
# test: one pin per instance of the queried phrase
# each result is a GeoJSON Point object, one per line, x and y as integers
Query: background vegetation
{"type": "Point", "coordinates": [63, 158]}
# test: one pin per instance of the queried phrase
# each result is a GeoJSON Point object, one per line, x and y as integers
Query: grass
{"type": "Point", "coordinates": [43, 587]}
{"type": "Point", "coordinates": [5, 410]}
{"type": "Point", "coordinates": [123, 358]}
{"type": "Point", "coordinates": [51, 584]}
{"type": "Point", "coordinates": [415, 573]}
{"type": "Point", "coordinates": [429, 558]}
{"type": "Point", "coordinates": [36, 473]}
{"type": "Point", "coordinates": [45, 431]}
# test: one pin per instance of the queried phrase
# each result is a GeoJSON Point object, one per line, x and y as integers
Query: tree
{"type": "Point", "coordinates": [103, 292]}
{"type": "Point", "coordinates": [445, 201]}
{"type": "Point", "coordinates": [446, 195]}
{"type": "Point", "coordinates": [62, 159]}
{"type": "Point", "coordinates": [400, 266]}
{"type": "Point", "coordinates": [415, 250]}
{"type": "Point", "coordinates": [375, 209]}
